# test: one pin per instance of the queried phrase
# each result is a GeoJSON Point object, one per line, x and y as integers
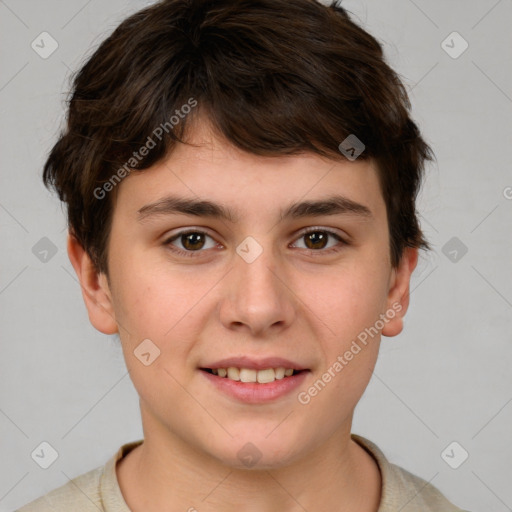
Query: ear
{"type": "Point", "coordinates": [95, 289]}
{"type": "Point", "coordinates": [398, 295]}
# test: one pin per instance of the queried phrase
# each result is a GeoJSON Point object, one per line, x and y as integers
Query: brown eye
{"type": "Point", "coordinates": [317, 240]}
{"type": "Point", "coordinates": [190, 242]}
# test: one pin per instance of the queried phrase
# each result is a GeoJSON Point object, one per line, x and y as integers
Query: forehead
{"type": "Point", "coordinates": [232, 183]}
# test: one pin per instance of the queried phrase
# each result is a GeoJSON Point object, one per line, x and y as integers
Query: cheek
{"type": "Point", "coordinates": [347, 301]}
{"type": "Point", "coordinates": [166, 307]}
{"type": "Point", "coordinates": [150, 307]}
{"type": "Point", "coordinates": [350, 306]}
{"type": "Point", "coordinates": [150, 299]}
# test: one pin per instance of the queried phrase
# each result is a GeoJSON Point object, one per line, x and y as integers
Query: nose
{"type": "Point", "coordinates": [257, 298]}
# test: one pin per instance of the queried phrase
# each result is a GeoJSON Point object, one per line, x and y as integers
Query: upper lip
{"type": "Point", "coordinates": [255, 364]}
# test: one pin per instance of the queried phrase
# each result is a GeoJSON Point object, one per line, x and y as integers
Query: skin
{"type": "Point", "coordinates": [306, 306]}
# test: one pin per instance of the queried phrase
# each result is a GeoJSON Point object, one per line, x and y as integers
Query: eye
{"type": "Point", "coordinates": [191, 241]}
{"type": "Point", "coordinates": [317, 239]}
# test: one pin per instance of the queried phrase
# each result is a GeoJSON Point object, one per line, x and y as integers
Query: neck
{"type": "Point", "coordinates": [339, 475]}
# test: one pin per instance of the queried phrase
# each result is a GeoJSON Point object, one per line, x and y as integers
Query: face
{"type": "Point", "coordinates": [271, 286]}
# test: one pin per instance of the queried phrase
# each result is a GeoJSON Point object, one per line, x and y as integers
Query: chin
{"type": "Point", "coordinates": [258, 452]}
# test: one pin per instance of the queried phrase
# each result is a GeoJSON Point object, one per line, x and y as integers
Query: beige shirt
{"type": "Point", "coordinates": [98, 490]}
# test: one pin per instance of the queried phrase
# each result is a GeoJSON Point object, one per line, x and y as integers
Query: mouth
{"type": "Point", "coordinates": [252, 375]}
{"type": "Point", "coordinates": [255, 380]}
{"type": "Point", "coordinates": [255, 386]}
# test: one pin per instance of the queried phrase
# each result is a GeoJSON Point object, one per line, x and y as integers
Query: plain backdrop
{"type": "Point", "coordinates": [445, 379]}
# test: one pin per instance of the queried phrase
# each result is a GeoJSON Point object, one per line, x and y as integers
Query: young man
{"type": "Point", "coordinates": [240, 179]}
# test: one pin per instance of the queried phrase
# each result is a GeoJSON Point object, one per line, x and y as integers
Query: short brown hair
{"type": "Point", "coordinates": [273, 77]}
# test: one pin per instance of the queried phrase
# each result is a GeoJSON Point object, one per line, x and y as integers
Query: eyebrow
{"type": "Point", "coordinates": [332, 205]}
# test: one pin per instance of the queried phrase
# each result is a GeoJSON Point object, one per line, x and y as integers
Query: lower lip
{"type": "Point", "coordinates": [254, 392]}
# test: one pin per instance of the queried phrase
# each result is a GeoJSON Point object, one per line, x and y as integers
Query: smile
{"type": "Point", "coordinates": [263, 376]}
{"type": "Point", "coordinates": [255, 386]}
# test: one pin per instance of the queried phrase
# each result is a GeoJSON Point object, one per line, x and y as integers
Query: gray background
{"type": "Point", "coordinates": [445, 378]}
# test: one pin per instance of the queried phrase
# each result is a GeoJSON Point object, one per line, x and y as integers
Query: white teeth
{"type": "Point", "coordinates": [280, 372]}
{"type": "Point", "coordinates": [233, 373]}
{"type": "Point", "coordinates": [247, 375]}
{"type": "Point", "coordinates": [265, 376]}
{"type": "Point", "coordinates": [250, 375]}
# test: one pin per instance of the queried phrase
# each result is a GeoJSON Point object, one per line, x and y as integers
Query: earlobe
{"type": "Point", "coordinates": [95, 289]}
{"type": "Point", "coordinates": [398, 296]}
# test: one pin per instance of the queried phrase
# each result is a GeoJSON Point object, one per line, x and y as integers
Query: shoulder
{"type": "Point", "coordinates": [82, 494]}
{"type": "Point", "coordinates": [401, 490]}
{"type": "Point", "coordinates": [414, 493]}
{"type": "Point", "coordinates": [96, 490]}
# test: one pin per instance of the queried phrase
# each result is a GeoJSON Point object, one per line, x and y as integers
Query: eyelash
{"type": "Point", "coordinates": [194, 254]}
